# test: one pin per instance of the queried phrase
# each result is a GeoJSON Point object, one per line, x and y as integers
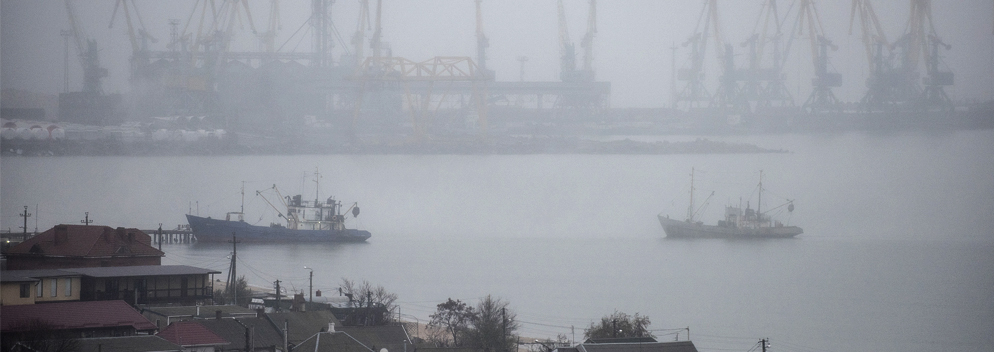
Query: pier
{"type": "Point", "coordinates": [181, 234]}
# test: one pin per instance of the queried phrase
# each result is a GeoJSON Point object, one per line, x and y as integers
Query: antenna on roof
{"type": "Point", "coordinates": [85, 221]}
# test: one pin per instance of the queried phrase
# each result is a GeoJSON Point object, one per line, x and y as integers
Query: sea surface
{"type": "Point", "coordinates": [897, 252]}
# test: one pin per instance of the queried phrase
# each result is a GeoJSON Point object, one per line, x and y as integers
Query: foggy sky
{"type": "Point", "coordinates": [631, 46]}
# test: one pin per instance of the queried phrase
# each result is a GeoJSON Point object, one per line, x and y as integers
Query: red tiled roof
{"type": "Point", "coordinates": [190, 333]}
{"type": "Point", "coordinates": [74, 315]}
{"type": "Point", "coordinates": [88, 241]}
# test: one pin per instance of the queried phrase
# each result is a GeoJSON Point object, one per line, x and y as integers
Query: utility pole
{"type": "Point", "coordinates": [503, 320]}
{"type": "Point", "coordinates": [233, 273]}
{"type": "Point", "coordinates": [65, 73]}
{"type": "Point", "coordinates": [25, 215]}
{"type": "Point", "coordinates": [764, 343]}
{"type": "Point", "coordinates": [277, 295]}
{"type": "Point", "coordinates": [158, 236]}
{"type": "Point", "coordinates": [310, 292]}
{"type": "Point", "coordinates": [86, 221]}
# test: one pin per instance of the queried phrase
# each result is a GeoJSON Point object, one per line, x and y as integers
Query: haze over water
{"type": "Point", "coordinates": [897, 252]}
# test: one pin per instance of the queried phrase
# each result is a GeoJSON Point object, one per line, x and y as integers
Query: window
{"type": "Point", "coordinates": [55, 287]}
{"type": "Point", "coordinates": [68, 287]}
{"type": "Point", "coordinates": [25, 290]}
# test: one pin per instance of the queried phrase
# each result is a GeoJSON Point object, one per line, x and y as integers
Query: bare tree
{"type": "Point", "coordinates": [452, 317]}
{"type": "Point", "coordinates": [619, 324]}
{"type": "Point", "coordinates": [371, 305]}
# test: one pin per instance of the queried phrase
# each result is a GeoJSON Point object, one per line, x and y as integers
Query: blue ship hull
{"type": "Point", "coordinates": [217, 230]}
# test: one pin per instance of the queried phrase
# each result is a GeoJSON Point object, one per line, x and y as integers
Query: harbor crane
{"type": "Point", "coordinates": [764, 83]}
{"type": "Point", "coordinates": [567, 50]}
{"type": "Point", "coordinates": [809, 21]}
{"type": "Point", "coordinates": [694, 94]}
{"type": "Point", "coordinates": [482, 43]}
{"type": "Point", "coordinates": [893, 81]}
{"type": "Point", "coordinates": [90, 105]}
{"type": "Point", "coordinates": [587, 43]}
{"type": "Point", "coordinates": [88, 54]}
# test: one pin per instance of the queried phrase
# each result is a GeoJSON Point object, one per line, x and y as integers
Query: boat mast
{"type": "Point", "coordinates": [243, 197]}
{"type": "Point", "coordinates": [690, 210]}
{"type": "Point", "coordinates": [759, 205]}
{"type": "Point", "coordinates": [317, 187]}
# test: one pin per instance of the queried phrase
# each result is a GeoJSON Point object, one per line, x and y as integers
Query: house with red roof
{"type": "Point", "coordinates": [79, 246]}
{"type": "Point", "coordinates": [193, 337]}
{"type": "Point", "coordinates": [73, 319]}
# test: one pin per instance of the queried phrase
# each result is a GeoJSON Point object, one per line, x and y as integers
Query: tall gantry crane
{"type": "Point", "coordinates": [809, 23]}
{"type": "Point", "coordinates": [87, 51]}
{"type": "Point", "coordinates": [482, 43]}
{"type": "Point", "coordinates": [587, 43]}
{"type": "Point", "coordinates": [567, 50]}
{"type": "Point", "coordinates": [892, 83]}
{"type": "Point", "coordinates": [359, 37]}
{"type": "Point", "coordinates": [694, 94]}
{"type": "Point", "coordinates": [763, 82]}
{"type": "Point", "coordinates": [924, 43]}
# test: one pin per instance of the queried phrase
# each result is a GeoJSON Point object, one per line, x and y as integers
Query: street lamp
{"type": "Point", "coordinates": [310, 294]}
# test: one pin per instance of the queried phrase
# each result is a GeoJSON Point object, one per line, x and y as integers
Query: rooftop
{"type": "Point", "coordinates": [139, 343]}
{"type": "Point", "coordinates": [142, 270]}
{"type": "Point", "coordinates": [32, 275]}
{"type": "Point", "coordinates": [88, 241]}
{"type": "Point", "coordinates": [74, 315]}
{"type": "Point", "coordinates": [679, 346]}
{"type": "Point", "coordinates": [190, 333]}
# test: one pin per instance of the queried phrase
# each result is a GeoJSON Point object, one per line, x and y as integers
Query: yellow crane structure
{"type": "Point", "coordinates": [695, 94]}
{"type": "Point", "coordinates": [763, 80]}
{"type": "Point", "coordinates": [418, 80]}
{"type": "Point", "coordinates": [808, 24]}
{"type": "Point", "coordinates": [893, 82]}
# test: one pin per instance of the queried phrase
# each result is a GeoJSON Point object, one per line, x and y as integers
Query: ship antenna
{"type": "Point", "coordinates": [317, 186]}
{"type": "Point", "coordinates": [690, 210]}
{"type": "Point", "coordinates": [759, 204]}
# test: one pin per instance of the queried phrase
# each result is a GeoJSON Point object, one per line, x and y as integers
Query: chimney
{"type": "Point", "coordinates": [217, 314]}
{"type": "Point", "coordinates": [331, 327]}
{"type": "Point", "coordinates": [120, 233]}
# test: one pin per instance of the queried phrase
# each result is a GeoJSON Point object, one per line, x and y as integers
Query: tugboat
{"type": "Point", "coordinates": [738, 224]}
{"type": "Point", "coordinates": [306, 221]}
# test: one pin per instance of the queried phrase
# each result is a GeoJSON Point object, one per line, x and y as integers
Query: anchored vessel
{"type": "Point", "coordinates": [306, 221]}
{"type": "Point", "coordinates": [738, 223]}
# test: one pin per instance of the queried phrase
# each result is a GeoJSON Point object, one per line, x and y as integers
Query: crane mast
{"type": "Point", "coordinates": [809, 21]}
{"type": "Point", "coordinates": [567, 50]}
{"type": "Point", "coordinates": [588, 39]}
{"type": "Point", "coordinates": [482, 43]}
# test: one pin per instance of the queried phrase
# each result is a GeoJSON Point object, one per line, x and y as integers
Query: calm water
{"type": "Point", "coordinates": [897, 254]}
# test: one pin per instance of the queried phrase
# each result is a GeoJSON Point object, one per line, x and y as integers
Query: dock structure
{"type": "Point", "coordinates": [181, 234]}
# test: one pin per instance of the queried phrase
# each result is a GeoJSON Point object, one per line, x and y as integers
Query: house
{"type": "Point", "coordinates": [246, 334]}
{"type": "Point", "coordinates": [147, 284]}
{"type": "Point", "coordinates": [393, 337]}
{"type": "Point", "coordinates": [161, 284]}
{"type": "Point", "coordinates": [630, 345]}
{"type": "Point", "coordinates": [78, 246]}
{"type": "Point", "coordinates": [302, 325]}
{"type": "Point", "coordinates": [139, 343]}
{"type": "Point", "coordinates": [166, 315]}
{"type": "Point", "coordinates": [38, 286]}
{"type": "Point", "coordinates": [74, 319]}
{"type": "Point", "coordinates": [193, 337]}
{"type": "Point", "coordinates": [333, 341]}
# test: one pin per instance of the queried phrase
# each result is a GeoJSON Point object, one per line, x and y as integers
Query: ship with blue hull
{"type": "Point", "coordinates": [306, 221]}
